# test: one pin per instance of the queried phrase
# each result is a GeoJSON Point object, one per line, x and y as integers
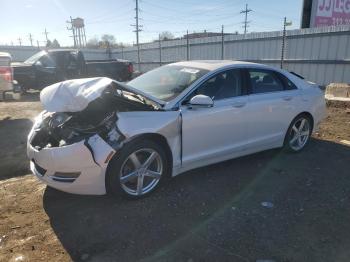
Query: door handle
{"type": "Point", "coordinates": [238, 104]}
{"type": "Point", "coordinates": [287, 98]}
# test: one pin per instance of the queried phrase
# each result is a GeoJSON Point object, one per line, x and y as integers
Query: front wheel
{"type": "Point", "coordinates": [298, 134]}
{"type": "Point", "coordinates": [137, 170]}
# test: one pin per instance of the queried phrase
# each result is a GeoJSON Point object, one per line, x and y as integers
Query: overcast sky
{"type": "Point", "coordinates": [19, 18]}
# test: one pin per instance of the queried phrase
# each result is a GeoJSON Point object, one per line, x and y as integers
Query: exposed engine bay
{"type": "Point", "coordinates": [99, 117]}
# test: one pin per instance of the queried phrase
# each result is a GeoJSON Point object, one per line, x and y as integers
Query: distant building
{"type": "Point", "coordinates": [204, 34]}
{"type": "Point", "coordinates": [318, 13]}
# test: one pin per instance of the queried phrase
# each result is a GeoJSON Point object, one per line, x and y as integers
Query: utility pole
{"type": "Point", "coordinates": [71, 28]}
{"type": "Point", "coordinates": [137, 30]}
{"type": "Point", "coordinates": [37, 42]}
{"type": "Point", "coordinates": [187, 47]}
{"type": "Point", "coordinates": [46, 33]}
{"type": "Point", "coordinates": [246, 22]}
{"type": "Point", "coordinates": [160, 50]}
{"type": "Point", "coordinates": [285, 24]}
{"type": "Point", "coordinates": [30, 39]}
{"type": "Point", "coordinates": [19, 41]}
{"type": "Point", "coordinates": [122, 47]}
{"type": "Point", "coordinates": [222, 43]}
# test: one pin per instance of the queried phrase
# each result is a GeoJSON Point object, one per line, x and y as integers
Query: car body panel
{"type": "Point", "coordinates": [272, 113]}
{"type": "Point", "coordinates": [221, 129]}
{"type": "Point", "coordinates": [164, 123]}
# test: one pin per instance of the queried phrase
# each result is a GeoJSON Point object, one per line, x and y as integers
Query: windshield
{"type": "Point", "coordinates": [34, 58]}
{"type": "Point", "coordinates": [167, 82]}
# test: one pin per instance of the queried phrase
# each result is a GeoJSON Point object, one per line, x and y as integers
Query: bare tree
{"type": "Point", "coordinates": [108, 38]}
{"type": "Point", "coordinates": [166, 35]}
{"type": "Point", "coordinates": [48, 43]}
{"type": "Point", "coordinates": [55, 44]}
{"type": "Point", "coordinates": [93, 42]}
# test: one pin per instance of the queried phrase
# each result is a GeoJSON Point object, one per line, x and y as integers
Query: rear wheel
{"type": "Point", "coordinates": [298, 134]}
{"type": "Point", "coordinates": [137, 170]}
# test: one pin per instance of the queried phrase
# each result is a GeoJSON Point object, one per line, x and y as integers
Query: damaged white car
{"type": "Point", "coordinates": [97, 135]}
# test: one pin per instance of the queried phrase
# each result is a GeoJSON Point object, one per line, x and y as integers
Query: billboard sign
{"type": "Point", "coordinates": [331, 13]}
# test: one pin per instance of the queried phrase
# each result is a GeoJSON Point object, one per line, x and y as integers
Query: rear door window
{"type": "Point", "coordinates": [264, 81]}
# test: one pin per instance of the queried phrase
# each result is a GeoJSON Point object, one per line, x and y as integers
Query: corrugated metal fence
{"type": "Point", "coordinates": [322, 55]}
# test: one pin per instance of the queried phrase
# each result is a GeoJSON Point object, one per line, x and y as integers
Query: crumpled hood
{"type": "Point", "coordinates": [73, 95]}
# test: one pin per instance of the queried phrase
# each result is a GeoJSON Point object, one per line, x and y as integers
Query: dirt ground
{"type": "Point", "coordinates": [208, 214]}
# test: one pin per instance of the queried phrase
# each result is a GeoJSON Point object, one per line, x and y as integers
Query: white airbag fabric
{"type": "Point", "coordinates": [73, 95]}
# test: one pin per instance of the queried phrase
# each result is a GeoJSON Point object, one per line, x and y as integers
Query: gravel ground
{"type": "Point", "coordinates": [216, 213]}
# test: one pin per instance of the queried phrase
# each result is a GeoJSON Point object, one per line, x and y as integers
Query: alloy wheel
{"type": "Point", "coordinates": [141, 172]}
{"type": "Point", "coordinates": [300, 134]}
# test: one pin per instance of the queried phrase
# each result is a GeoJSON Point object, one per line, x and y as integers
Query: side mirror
{"type": "Point", "coordinates": [201, 101]}
{"type": "Point", "coordinates": [38, 64]}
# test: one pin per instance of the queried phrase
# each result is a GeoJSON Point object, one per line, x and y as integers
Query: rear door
{"type": "Point", "coordinates": [273, 103]}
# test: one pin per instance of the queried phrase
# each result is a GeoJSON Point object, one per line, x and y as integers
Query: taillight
{"type": "Point", "coordinates": [130, 68]}
{"type": "Point", "coordinates": [6, 73]}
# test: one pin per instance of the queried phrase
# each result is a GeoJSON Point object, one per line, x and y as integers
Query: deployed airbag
{"type": "Point", "coordinates": [73, 95]}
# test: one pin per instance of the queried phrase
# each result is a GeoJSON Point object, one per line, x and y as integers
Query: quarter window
{"type": "Point", "coordinates": [264, 81]}
{"type": "Point", "coordinates": [223, 85]}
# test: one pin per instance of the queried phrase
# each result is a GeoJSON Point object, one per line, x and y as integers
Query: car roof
{"type": "Point", "coordinates": [211, 64]}
{"type": "Point", "coordinates": [3, 54]}
{"type": "Point", "coordinates": [62, 50]}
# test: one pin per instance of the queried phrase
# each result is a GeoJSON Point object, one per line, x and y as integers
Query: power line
{"type": "Point", "coordinates": [246, 22]}
{"type": "Point", "coordinates": [200, 13]}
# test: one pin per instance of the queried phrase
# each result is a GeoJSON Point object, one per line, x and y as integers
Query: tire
{"type": "Point", "coordinates": [130, 166]}
{"type": "Point", "coordinates": [298, 134]}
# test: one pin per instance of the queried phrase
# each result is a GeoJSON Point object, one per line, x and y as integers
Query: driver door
{"type": "Point", "coordinates": [215, 133]}
{"type": "Point", "coordinates": [45, 71]}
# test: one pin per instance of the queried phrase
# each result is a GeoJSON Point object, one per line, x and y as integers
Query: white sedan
{"type": "Point", "coordinates": [100, 136]}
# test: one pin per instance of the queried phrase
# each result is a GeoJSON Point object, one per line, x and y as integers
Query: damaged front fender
{"type": "Point", "coordinates": [164, 123]}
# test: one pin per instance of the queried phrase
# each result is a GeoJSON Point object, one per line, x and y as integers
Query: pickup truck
{"type": "Point", "coordinates": [51, 66]}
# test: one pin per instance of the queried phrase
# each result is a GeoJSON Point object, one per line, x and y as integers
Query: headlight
{"type": "Point", "coordinates": [58, 119]}
{"type": "Point", "coordinates": [38, 120]}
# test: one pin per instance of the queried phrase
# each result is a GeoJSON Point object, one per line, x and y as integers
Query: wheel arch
{"type": "Point", "coordinates": [305, 113]}
{"type": "Point", "coordinates": [156, 138]}
{"type": "Point", "coordinates": [308, 114]}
